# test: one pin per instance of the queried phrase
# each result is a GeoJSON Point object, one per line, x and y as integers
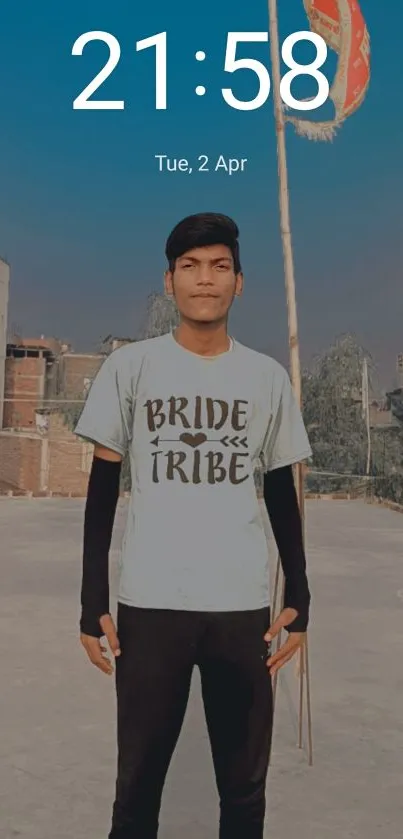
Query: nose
{"type": "Point", "coordinates": [205, 276]}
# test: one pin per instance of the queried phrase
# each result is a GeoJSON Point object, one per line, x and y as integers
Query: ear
{"type": "Point", "coordinates": [168, 283]}
{"type": "Point", "coordinates": [239, 285]}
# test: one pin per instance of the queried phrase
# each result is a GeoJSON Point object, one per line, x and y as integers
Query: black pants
{"type": "Point", "coordinates": [153, 675]}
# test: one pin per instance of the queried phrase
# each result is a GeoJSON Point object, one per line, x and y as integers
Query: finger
{"type": "Point", "coordinates": [288, 650]}
{"type": "Point", "coordinates": [108, 627]}
{"type": "Point", "coordinates": [274, 669]}
{"type": "Point", "coordinates": [104, 666]}
{"type": "Point", "coordinates": [102, 662]}
{"type": "Point", "coordinates": [286, 617]}
{"type": "Point", "coordinates": [93, 647]}
{"type": "Point", "coordinates": [113, 642]}
{"type": "Point", "coordinates": [274, 629]}
{"type": "Point", "coordinates": [289, 646]}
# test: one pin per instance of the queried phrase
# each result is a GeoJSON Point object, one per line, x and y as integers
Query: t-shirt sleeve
{"type": "Point", "coordinates": [107, 415]}
{"type": "Point", "coordinates": [286, 440]}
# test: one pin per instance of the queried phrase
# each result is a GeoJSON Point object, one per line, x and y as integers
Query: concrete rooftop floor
{"type": "Point", "coordinates": [57, 743]}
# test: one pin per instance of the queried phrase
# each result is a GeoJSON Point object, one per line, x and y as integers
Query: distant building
{"type": "Point", "coordinates": [399, 366]}
{"type": "Point", "coordinates": [112, 343]}
{"type": "Point", "coordinates": [394, 402]}
{"type": "Point", "coordinates": [39, 372]}
{"type": "Point", "coordinates": [47, 459]}
{"type": "Point", "coordinates": [75, 373]}
{"type": "Point", "coordinates": [38, 451]}
{"type": "Point", "coordinates": [120, 342]}
{"type": "Point", "coordinates": [29, 379]}
{"type": "Point", "coordinates": [382, 417]}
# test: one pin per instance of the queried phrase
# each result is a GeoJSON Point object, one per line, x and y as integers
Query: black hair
{"type": "Point", "coordinates": [200, 231]}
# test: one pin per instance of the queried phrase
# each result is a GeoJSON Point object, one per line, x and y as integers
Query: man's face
{"type": "Point", "coordinates": [204, 284]}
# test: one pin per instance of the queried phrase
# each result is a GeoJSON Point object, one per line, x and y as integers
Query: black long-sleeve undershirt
{"type": "Point", "coordinates": [100, 511]}
{"type": "Point", "coordinates": [282, 506]}
{"type": "Point", "coordinates": [102, 498]}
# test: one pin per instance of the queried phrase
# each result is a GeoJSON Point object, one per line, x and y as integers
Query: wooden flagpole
{"type": "Point", "coordinates": [284, 206]}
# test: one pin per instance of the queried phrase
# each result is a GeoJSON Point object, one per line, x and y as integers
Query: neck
{"type": "Point", "coordinates": [203, 339]}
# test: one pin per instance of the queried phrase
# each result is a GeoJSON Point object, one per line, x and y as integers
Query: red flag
{"type": "Point", "coordinates": [341, 24]}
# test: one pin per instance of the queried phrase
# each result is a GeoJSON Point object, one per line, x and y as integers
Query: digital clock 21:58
{"type": "Point", "coordinates": [231, 65]}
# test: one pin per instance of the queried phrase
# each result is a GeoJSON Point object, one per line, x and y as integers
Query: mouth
{"type": "Point", "coordinates": [205, 296]}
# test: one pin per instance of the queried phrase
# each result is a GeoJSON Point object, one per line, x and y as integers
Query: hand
{"type": "Point", "coordinates": [293, 643]}
{"type": "Point", "coordinates": [97, 653]}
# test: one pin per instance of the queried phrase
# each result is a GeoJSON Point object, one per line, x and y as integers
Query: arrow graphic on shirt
{"type": "Point", "coordinates": [235, 441]}
{"type": "Point", "coordinates": [195, 440]}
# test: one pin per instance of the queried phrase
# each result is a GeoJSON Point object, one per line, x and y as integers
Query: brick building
{"type": "Point", "coordinates": [48, 460]}
{"type": "Point", "coordinates": [38, 452]}
{"type": "Point", "coordinates": [75, 372]}
{"type": "Point", "coordinates": [29, 380]}
{"type": "Point", "coordinates": [38, 373]}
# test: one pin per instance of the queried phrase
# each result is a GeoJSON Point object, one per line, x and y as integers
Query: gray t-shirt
{"type": "Point", "coordinates": [196, 429]}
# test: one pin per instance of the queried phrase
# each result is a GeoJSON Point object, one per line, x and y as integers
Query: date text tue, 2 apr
{"type": "Point", "coordinates": [221, 163]}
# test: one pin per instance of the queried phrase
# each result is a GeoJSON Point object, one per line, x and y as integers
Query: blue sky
{"type": "Point", "coordinates": [84, 213]}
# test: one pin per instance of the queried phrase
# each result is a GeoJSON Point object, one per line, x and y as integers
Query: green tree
{"type": "Point", "coordinates": [161, 317]}
{"type": "Point", "coordinates": [332, 408]}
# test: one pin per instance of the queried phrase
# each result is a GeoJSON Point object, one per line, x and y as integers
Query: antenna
{"type": "Point", "coordinates": [365, 410]}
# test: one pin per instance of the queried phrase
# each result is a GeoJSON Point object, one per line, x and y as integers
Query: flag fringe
{"type": "Point", "coordinates": [316, 131]}
{"type": "Point", "coordinates": [339, 23]}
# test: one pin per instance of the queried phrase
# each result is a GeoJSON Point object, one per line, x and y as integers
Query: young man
{"type": "Point", "coordinates": [197, 412]}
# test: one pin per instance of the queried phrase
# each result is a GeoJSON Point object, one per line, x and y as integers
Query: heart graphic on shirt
{"type": "Point", "coordinates": [193, 440]}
